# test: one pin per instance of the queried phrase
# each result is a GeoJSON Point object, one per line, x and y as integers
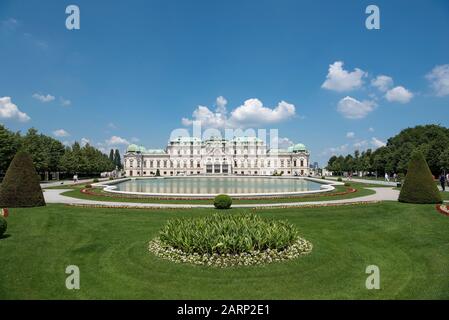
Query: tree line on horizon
{"type": "Point", "coordinates": [431, 140]}
{"type": "Point", "coordinates": [51, 155]}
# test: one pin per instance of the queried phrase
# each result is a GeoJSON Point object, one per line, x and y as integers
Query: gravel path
{"type": "Point", "coordinates": [382, 194]}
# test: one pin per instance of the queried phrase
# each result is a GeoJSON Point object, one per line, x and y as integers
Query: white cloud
{"type": "Point", "coordinates": [43, 98]}
{"type": "Point", "coordinates": [221, 103]}
{"type": "Point", "coordinates": [360, 144]}
{"type": "Point", "coordinates": [207, 118]}
{"type": "Point", "coordinates": [84, 141]}
{"type": "Point", "coordinates": [399, 94]}
{"type": "Point", "coordinates": [281, 143]}
{"type": "Point", "coordinates": [134, 139]}
{"type": "Point", "coordinates": [336, 150]}
{"type": "Point", "coordinates": [112, 125]}
{"type": "Point", "coordinates": [439, 80]}
{"type": "Point", "coordinates": [9, 110]}
{"type": "Point", "coordinates": [371, 129]}
{"type": "Point", "coordinates": [60, 133]}
{"type": "Point", "coordinates": [10, 24]}
{"type": "Point", "coordinates": [353, 109]}
{"type": "Point", "coordinates": [350, 135]}
{"type": "Point", "coordinates": [341, 80]}
{"type": "Point", "coordinates": [115, 140]}
{"type": "Point", "coordinates": [382, 82]}
{"type": "Point", "coordinates": [377, 143]}
{"type": "Point", "coordinates": [251, 113]}
{"type": "Point", "coordinates": [65, 102]}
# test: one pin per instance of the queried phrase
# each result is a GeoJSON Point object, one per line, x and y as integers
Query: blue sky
{"type": "Point", "coordinates": [135, 69]}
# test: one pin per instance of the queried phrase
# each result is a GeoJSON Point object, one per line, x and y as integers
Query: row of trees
{"type": "Point", "coordinates": [50, 155]}
{"type": "Point", "coordinates": [431, 140]}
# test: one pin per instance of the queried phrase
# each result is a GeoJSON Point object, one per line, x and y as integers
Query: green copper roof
{"type": "Point", "coordinates": [299, 147]}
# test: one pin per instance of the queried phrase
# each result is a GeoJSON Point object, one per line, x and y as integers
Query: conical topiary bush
{"type": "Point", "coordinates": [419, 186]}
{"type": "Point", "coordinates": [20, 186]}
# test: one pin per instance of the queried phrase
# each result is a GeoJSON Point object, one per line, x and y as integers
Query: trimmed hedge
{"type": "Point", "coordinates": [222, 201]}
{"type": "Point", "coordinates": [3, 226]}
{"type": "Point", "coordinates": [21, 187]}
{"type": "Point", "coordinates": [419, 186]}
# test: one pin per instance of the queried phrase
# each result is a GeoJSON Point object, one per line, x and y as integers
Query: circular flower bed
{"type": "Point", "coordinates": [225, 240]}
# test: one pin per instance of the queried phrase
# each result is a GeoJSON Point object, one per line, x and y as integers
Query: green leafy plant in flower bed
{"type": "Point", "coordinates": [227, 240]}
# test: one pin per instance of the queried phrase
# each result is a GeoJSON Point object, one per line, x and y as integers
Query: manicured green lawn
{"type": "Point", "coordinates": [361, 191]}
{"type": "Point", "coordinates": [445, 195]}
{"type": "Point", "coordinates": [410, 244]}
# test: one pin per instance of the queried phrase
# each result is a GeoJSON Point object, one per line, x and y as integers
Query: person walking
{"type": "Point", "coordinates": [447, 179]}
{"type": "Point", "coordinates": [387, 178]}
{"type": "Point", "coordinates": [443, 181]}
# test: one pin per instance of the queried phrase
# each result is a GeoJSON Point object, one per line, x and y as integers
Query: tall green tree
{"type": "Point", "coordinates": [117, 160]}
{"type": "Point", "coordinates": [9, 144]}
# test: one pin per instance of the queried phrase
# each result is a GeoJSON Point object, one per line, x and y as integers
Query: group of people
{"type": "Point", "coordinates": [387, 177]}
{"type": "Point", "coordinates": [443, 180]}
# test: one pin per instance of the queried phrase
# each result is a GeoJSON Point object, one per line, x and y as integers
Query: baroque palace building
{"type": "Point", "coordinates": [216, 156]}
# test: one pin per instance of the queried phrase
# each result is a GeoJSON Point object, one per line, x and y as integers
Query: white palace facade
{"type": "Point", "coordinates": [216, 156]}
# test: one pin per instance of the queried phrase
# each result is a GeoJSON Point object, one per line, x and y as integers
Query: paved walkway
{"type": "Point", "coordinates": [370, 181]}
{"type": "Point", "coordinates": [54, 196]}
{"type": "Point", "coordinates": [68, 182]}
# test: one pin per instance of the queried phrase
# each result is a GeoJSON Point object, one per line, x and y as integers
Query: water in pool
{"type": "Point", "coordinates": [217, 185]}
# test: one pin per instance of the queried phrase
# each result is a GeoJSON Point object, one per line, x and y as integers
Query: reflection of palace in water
{"type": "Point", "coordinates": [203, 185]}
{"type": "Point", "coordinates": [216, 156]}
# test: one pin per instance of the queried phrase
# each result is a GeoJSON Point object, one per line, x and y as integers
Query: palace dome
{"type": "Point", "coordinates": [299, 147]}
{"type": "Point", "coordinates": [132, 148]}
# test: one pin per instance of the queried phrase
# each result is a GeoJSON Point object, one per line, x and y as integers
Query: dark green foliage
{"type": "Point", "coordinates": [419, 186]}
{"type": "Point", "coordinates": [431, 140]}
{"type": "Point", "coordinates": [339, 179]}
{"type": "Point", "coordinates": [87, 159]}
{"type": "Point", "coordinates": [9, 144]}
{"type": "Point", "coordinates": [223, 233]}
{"type": "Point", "coordinates": [222, 201]}
{"type": "Point", "coordinates": [50, 155]}
{"type": "Point", "coordinates": [20, 187]}
{"type": "Point", "coordinates": [3, 226]}
{"type": "Point", "coordinates": [88, 186]}
{"type": "Point", "coordinates": [117, 160]}
{"type": "Point", "coordinates": [95, 180]}
{"type": "Point", "coordinates": [158, 173]}
{"type": "Point", "coordinates": [347, 184]}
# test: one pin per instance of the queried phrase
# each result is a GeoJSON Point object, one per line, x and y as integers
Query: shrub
{"type": "Point", "coordinates": [222, 201]}
{"type": "Point", "coordinates": [323, 177]}
{"type": "Point", "coordinates": [158, 173]}
{"type": "Point", "coordinates": [224, 240]}
{"type": "Point", "coordinates": [111, 178]}
{"type": "Point", "coordinates": [95, 180]}
{"type": "Point", "coordinates": [3, 226]}
{"type": "Point", "coordinates": [347, 184]}
{"type": "Point", "coordinates": [339, 179]}
{"type": "Point", "coordinates": [20, 187]}
{"type": "Point", "coordinates": [419, 186]}
{"type": "Point", "coordinates": [88, 186]}
{"type": "Point", "coordinates": [226, 233]}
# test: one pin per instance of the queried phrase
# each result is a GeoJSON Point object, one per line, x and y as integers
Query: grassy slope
{"type": "Point", "coordinates": [410, 244]}
{"type": "Point", "coordinates": [75, 193]}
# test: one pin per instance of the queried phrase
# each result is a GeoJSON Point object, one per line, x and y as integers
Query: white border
{"type": "Point", "coordinates": [109, 186]}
